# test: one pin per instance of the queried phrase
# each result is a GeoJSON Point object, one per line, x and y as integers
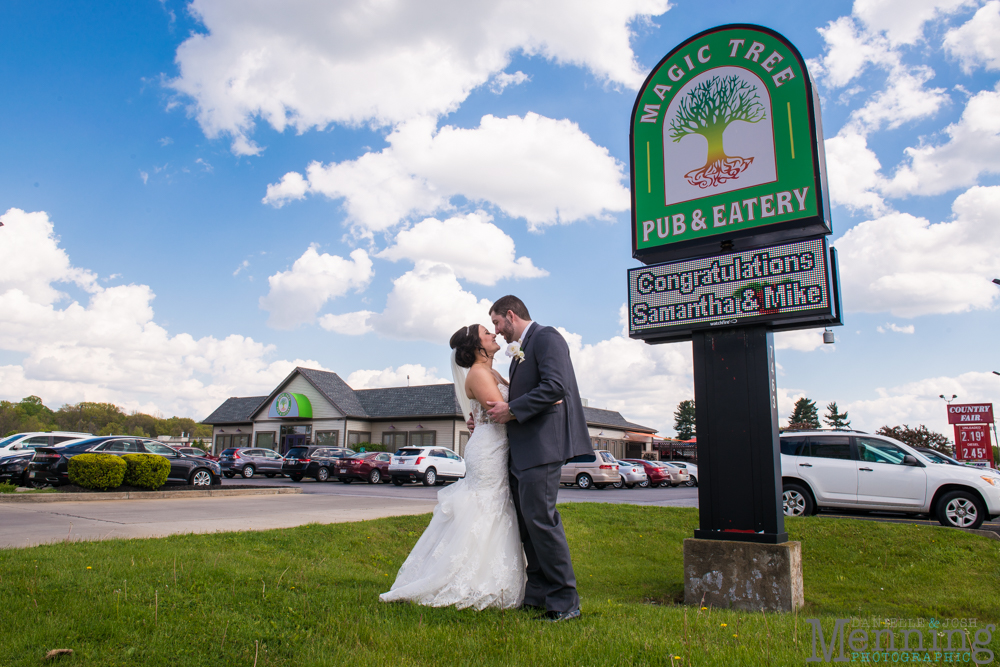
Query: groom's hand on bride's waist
{"type": "Point", "coordinates": [500, 412]}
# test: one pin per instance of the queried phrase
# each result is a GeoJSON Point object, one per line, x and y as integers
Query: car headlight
{"type": "Point", "coordinates": [991, 480]}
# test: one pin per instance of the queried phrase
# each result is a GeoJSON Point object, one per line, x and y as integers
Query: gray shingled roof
{"type": "Point", "coordinates": [235, 410]}
{"type": "Point", "coordinates": [598, 417]}
{"type": "Point", "coordinates": [433, 400]}
{"type": "Point", "coordinates": [336, 390]}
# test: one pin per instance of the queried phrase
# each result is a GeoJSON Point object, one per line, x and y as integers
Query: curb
{"type": "Point", "coordinates": [141, 495]}
{"type": "Point", "coordinates": [989, 534]}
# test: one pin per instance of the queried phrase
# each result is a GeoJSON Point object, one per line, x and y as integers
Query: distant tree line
{"type": "Point", "coordinates": [30, 414]}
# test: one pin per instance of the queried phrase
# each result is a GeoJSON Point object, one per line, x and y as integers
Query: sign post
{"type": "Point", "coordinates": [730, 214]}
{"type": "Point", "coordinates": [972, 433]}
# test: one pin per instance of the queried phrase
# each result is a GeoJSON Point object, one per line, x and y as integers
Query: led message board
{"type": "Point", "coordinates": [790, 286]}
{"type": "Point", "coordinates": [726, 145]}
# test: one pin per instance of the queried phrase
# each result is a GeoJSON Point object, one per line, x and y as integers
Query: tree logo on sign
{"type": "Point", "coordinates": [283, 405]}
{"type": "Point", "coordinates": [708, 109]}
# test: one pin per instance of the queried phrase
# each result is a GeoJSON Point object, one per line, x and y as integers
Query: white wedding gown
{"type": "Point", "coordinates": [470, 555]}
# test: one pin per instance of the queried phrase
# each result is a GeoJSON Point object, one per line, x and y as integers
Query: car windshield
{"type": "Point", "coordinates": [228, 452]}
{"type": "Point", "coordinates": [607, 457]}
{"type": "Point", "coordinates": [297, 453]}
{"type": "Point", "coordinates": [7, 441]}
{"type": "Point", "coordinates": [159, 448]}
{"type": "Point", "coordinates": [408, 452]}
{"type": "Point", "coordinates": [80, 445]}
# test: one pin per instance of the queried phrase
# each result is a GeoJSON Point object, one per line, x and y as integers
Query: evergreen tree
{"type": "Point", "coordinates": [834, 418]}
{"type": "Point", "coordinates": [804, 415]}
{"type": "Point", "coordinates": [684, 421]}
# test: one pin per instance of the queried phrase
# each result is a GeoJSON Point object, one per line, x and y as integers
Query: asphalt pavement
{"type": "Point", "coordinates": [28, 524]}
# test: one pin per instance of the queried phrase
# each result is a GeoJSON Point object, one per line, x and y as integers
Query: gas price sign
{"type": "Point", "coordinates": [791, 286]}
{"type": "Point", "coordinates": [972, 443]}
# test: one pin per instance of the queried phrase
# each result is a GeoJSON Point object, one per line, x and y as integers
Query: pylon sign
{"type": "Point", "coordinates": [727, 145]}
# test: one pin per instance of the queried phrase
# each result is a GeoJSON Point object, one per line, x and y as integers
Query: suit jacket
{"type": "Point", "coordinates": [545, 432]}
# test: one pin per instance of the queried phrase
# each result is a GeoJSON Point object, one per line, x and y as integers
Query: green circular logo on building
{"type": "Point", "coordinates": [283, 405]}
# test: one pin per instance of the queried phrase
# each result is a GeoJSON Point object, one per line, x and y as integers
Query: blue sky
{"type": "Point", "coordinates": [167, 244]}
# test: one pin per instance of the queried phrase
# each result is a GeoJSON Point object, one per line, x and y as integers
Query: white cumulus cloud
{"type": "Point", "coordinates": [406, 375]}
{"type": "Point", "coordinates": [908, 266]}
{"type": "Point", "coordinates": [310, 63]}
{"type": "Point", "coordinates": [298, 294]}
{"type": "Point", "coordinates": [543, 170]}
{"type": "Point", "coordinates": [975, 42]}
{"type": "Point", "coordinates": [427, 303]}
{"type": "Point", "coordinates": [470, 244]}
{"type": "Point", "coordinates": [110, 348]}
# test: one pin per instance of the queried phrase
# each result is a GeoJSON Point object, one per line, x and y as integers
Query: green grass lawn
{"type": "Point", "coordinates": [308, 596]}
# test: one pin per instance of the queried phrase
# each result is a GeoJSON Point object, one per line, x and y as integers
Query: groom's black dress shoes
{"type": "Point", "coordinates": [559, 616]}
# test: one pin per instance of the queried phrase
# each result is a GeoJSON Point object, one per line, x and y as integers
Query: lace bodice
{"type": "Point", "coordinates": [479, 414]}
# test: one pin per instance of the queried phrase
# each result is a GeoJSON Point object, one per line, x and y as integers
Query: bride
{"type": "Point", "coordinates": [470, 555]}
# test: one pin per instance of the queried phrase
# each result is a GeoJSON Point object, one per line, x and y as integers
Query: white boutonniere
{"type": "Point", "coordinates": [514, 350]}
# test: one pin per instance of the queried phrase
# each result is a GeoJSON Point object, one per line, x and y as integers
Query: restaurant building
{"type": "Point", "coordinates": [318, 407]}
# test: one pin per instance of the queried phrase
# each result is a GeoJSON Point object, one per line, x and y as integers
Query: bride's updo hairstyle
{"type": "Point", "coordinates": [467, 345]}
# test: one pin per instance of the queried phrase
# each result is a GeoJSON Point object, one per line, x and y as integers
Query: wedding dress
{"type": "Point", "coordinates": [470, 555]}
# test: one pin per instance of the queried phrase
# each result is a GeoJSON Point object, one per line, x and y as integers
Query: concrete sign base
{"type": "Point", "coordinates": [743, 575]}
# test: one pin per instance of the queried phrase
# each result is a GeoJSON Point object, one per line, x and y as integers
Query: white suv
{"type": "Point", "coordinates": [430, 465]}
{"type": "Point", "coordinates": [853, 470]}
{"type": "Point", "coordinates": [23, 441]}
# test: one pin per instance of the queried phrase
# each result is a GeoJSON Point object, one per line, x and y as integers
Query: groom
{"type": "Point", "coordinates": [545, 427]}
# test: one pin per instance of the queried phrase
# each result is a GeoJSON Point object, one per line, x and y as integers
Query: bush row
{"type": "Point", "coordinates": [107, 471]}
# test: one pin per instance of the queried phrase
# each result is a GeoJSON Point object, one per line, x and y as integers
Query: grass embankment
{"type": "Point", "coordinates": [308, 596]}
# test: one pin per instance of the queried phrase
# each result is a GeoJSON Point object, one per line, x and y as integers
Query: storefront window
{"type": "Point", "coordinates": [328, 438]}
{"type": "Point", "coordinates": [393, 440]}
{"type": "Point", "coordinates": [422, 438]}
{"type": "Point", "coordinates": [265, 440]}
{"type": "Point", "coordinates": [355, 438]}
{"type": "Point", "coordinates": [294, 435]}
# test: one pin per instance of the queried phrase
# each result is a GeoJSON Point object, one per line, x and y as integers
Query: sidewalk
{"type": "Point", "coordinates": [24, 524]}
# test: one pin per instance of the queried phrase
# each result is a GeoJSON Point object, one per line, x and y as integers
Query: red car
{"type": "Point", "coordinates": [655, 473]}
{"type": "Point", "coordinates": [194, 451]}
{"type": "Point", "coordinates": [372, 467]}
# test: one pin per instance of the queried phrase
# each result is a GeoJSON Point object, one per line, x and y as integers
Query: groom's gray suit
{"type": "Point", "coordinates": [545, 434]}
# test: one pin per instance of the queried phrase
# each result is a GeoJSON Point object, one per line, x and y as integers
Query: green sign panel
{"type": "Point", "coordinates": [287, 404]}
{"type": "Point", "coordinates": [726, 146]}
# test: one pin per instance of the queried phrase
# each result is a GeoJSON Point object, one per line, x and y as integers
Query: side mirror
{"type": "Point", "coordinates": [910, 460]}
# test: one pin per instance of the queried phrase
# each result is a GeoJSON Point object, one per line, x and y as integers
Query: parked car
{"type": "Point", "coordinates": [14, 467]}
{"type": "Point", "coordinates": [248, 461]}
{"type": "Point", "coordinates": [587, 471]}
{"type": "Point", "coordinates": [937, 457]}
{"type": "Point", "coordinates": [854, 470]}
{"type": "Point", "coordinates": [682, 473]}
{"type": "Point", "coordinates": [50, 465]}
{"type": "Point", "coordinates": [656, 474]}
{"type": "Point", "coordinates": [631, 475]}
{"type": "Point", "coordinates": [36, 439]}
{"type": "Point", "coordinates": [314, 461]}
{"type": "Point", "coordinates": [690, 468]}
{"type": "Point", "coordinates": [195, 451]}
{"type": "Point", "coordinates": [430, 465]}
{"type": "Point", "coordinates": [373, 467]}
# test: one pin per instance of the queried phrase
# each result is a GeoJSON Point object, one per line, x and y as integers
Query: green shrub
{"type": "Point", "coordinates": [97, 471]}
{"type": "Point", "coordinates": [6, 487]}
{"type": "Point", "coordinates": [147, 471]}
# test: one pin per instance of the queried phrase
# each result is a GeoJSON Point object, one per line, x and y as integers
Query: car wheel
{"type": "Point", "coordinates": [397, 481]}
{"type": "Point", "coordinates": [248, 472]}
{"type": "Point", "coordinates": [644, 484]}
{"type": "Point", "coordinates": [31, 483]}
{"type": "Point", "coordinates": [228, 475]}
{"type": "Point", "coordinates": [375, 476]}
{"type": "Point", "coordinates": [960, 509]}
{"type": "Point", "coordinates": [322, 475]}
{"type": "Point", "coordinates": [200, 477]}
{"type": "Point", "coordinates": [430, 477]}
{"type": "Point", "coordinates": [691, 482]}
{"type": "Point", "coordinates": [620, 483]}
{"type": "Point", "coordinates": [796, 501]}
{"type": "Point", "coordinates": [584, 481]}
{"type": "Point", "coordinates": [295, 478]}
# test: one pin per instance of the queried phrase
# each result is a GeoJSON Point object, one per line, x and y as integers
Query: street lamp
{"type": "Point", "coordinates": [948, 400]}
